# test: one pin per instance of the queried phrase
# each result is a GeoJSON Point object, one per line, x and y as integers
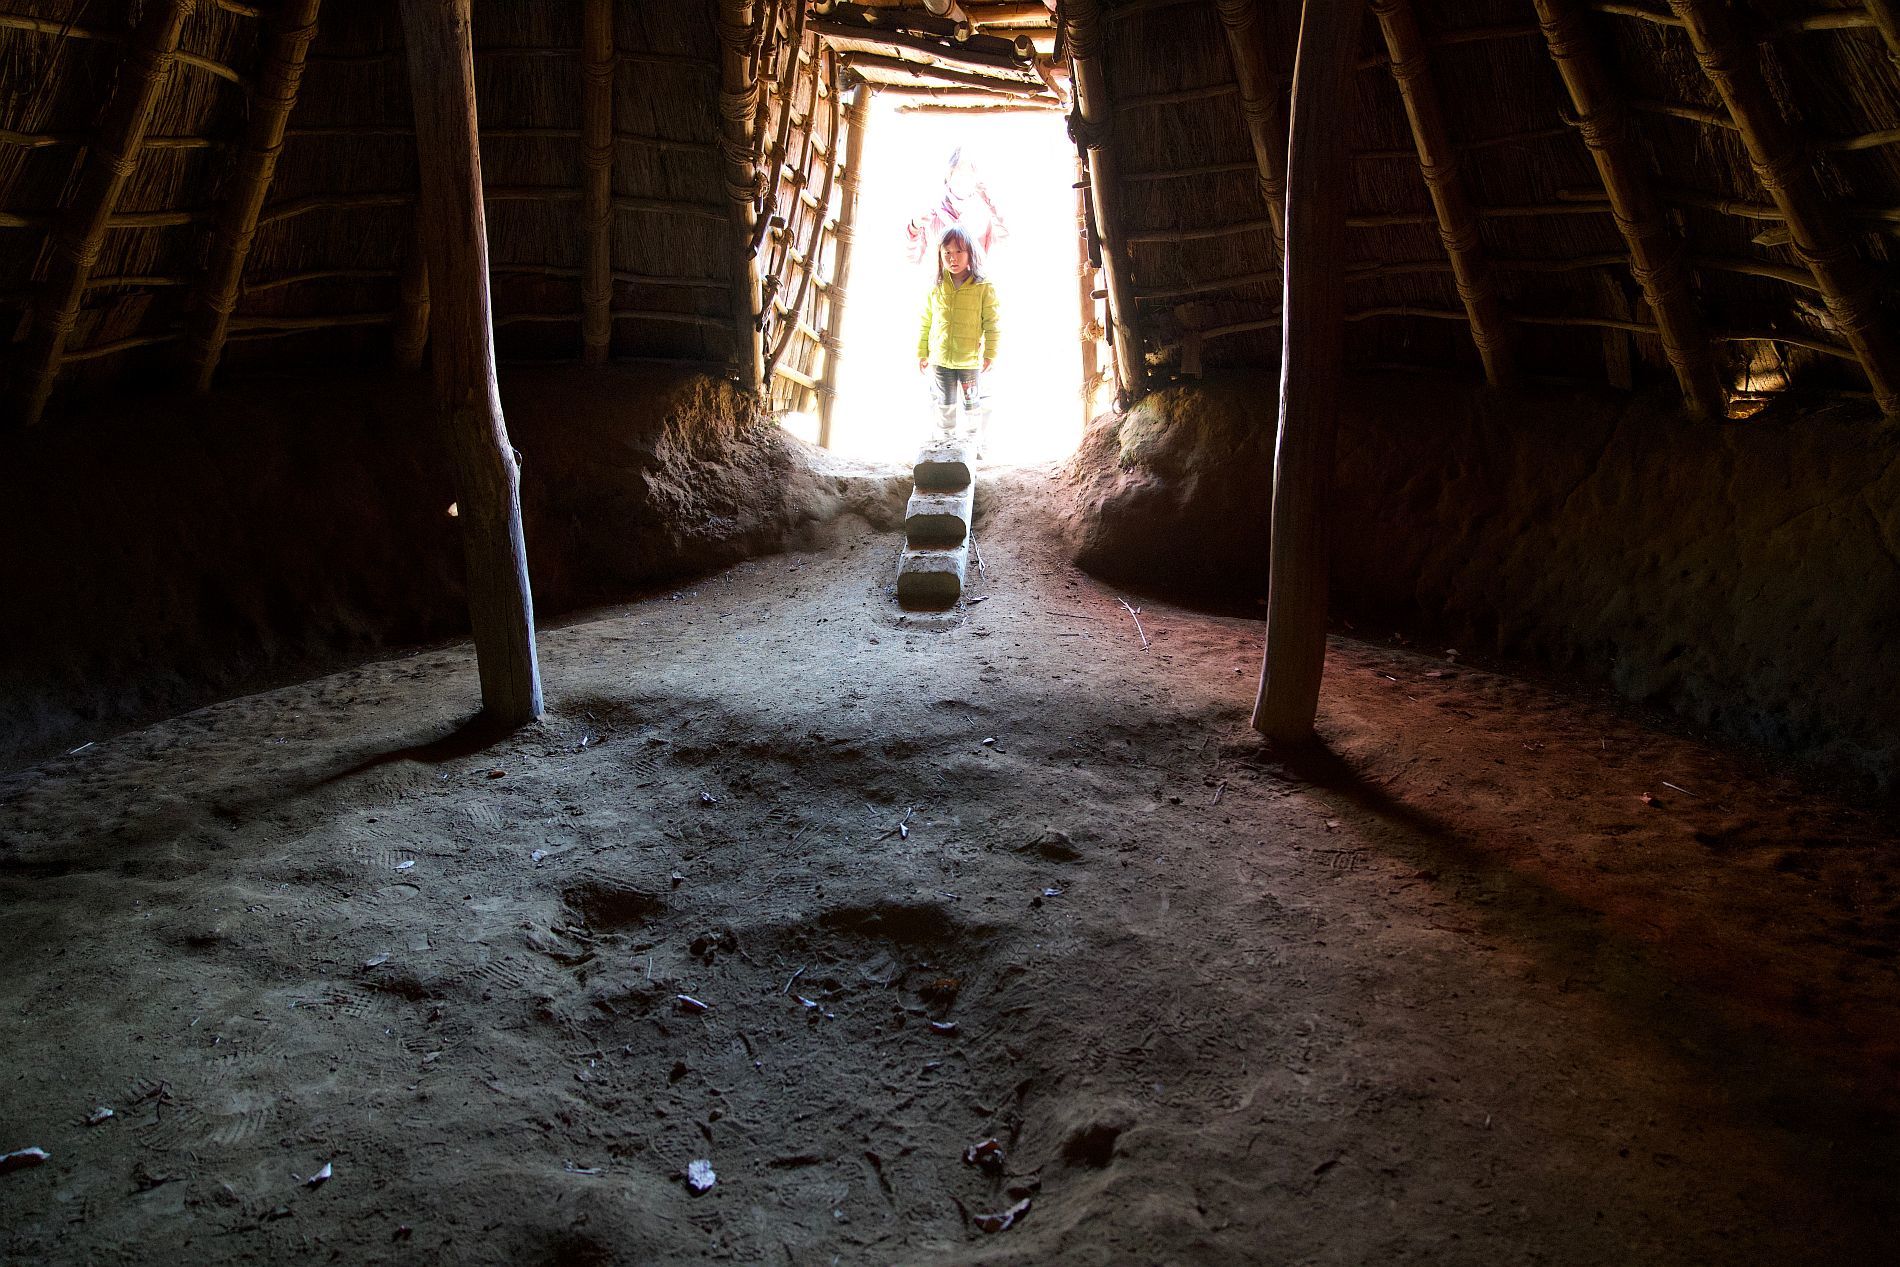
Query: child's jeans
{"type": "Point", "coordinates": [948, 387]}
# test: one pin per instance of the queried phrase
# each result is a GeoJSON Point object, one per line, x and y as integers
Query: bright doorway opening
{"type": "Point", "coordinates": [1027, 162]}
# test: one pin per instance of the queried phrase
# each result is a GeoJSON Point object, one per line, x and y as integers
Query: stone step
{"type": "Point", "coordinates": [932, 578]}
{"type": "Point", "coordinates": [944, 465]}
{"type": "Point", "coordinates": [939, 519]}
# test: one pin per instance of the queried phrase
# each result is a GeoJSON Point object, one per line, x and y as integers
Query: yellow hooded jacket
{"type": "Point", "coordinates": [960, 324]}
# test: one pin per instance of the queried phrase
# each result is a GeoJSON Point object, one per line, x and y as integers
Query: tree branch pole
{"type": "Point", "coordinates": [1438, 164]}
{"type": "Point", "coordinates": [738, 101]}
{"type": "Point", "coordinates": [1092, 118]}
{"type": "Point", "coordinates": [839, 292]}
{"type": "Point", "coordinates": [1311, 343]}
{"type": "Point", "coordinates": [597, 165]}
{"type": "Point", "coordinates": [1260, 106]}
{"type": "Point", "coordinates": [280, 74]}
{"type": "Point", "coordinates": [110, 158]}
{"type": "Point", "coordinates": [455, 243]}
{"type": "Point", "coordinates": [1733, 66]}
{"type": "Point", "coordinates": [1656, 252]}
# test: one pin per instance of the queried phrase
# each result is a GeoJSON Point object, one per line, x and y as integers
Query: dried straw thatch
{"type": "Point", "coordinates": [1701, 192]}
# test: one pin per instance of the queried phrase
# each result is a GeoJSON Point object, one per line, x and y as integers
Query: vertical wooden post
{"type": "Point", "coordinates": [1438, 163]}
{"type": "Point", "coordinates": [1092, 119]}
{"type": "Point", "coordinates": [1260, 106]}
{"type": "Point", "coordinates": [410, 333]}
{"type": "Point", "coordinates": [1091, 330]}
{"type": "Point", "coordinates": [501, 610]}
{"type": "Point", "coordinates": [1781, 165]}
{"type": "Point", "coordinates": [597, 200]}
{"type": "Point", "coordinates": [279, 74]}
{"type": "Point", "coordinates": [110, 159]}
{"type": "Point", "coordinates": [1311, 341]}
{"type": "Point", "coordinates": [840, 289]}
{"type": "Point", "coordinates": [1656, 253]}
{"type": "Point", "coordinates": [738, 98]}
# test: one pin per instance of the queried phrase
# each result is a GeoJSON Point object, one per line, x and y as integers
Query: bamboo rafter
{"type": "Point", "coordinates": [1655, 251]}
{"type": "Point", "coordinates": [786, 92]}
{"type": "Point", "coordinates": [798, 175]}
{"type": "Point", "coordinates": [65, 30]}
{"type": "Point", "coordinates": [1451, 38]}
{"type": "Point", "coordinates": [859, 116]}
{"type": "Point", "coordinates": [1259, 107]}
{"type": "Point", "coordinates": [1438, 164]}
{"type": "Point", "coordinates": [1782, 167]}
{"type": "Point", "coordinates": [946, 74]}
{"type": "Point", "coordinates": [597, 168]}
{"type": "Point", "coordinates": [1885, 15]}
{"type": "Point", "coordinates": [109, 163]}
{"type": "Point", "coordinates": [1093, 117]}
{"type": "Point", "coordinates": [280, 73]}
{"type": "Point", "coordinates": [814, 251]}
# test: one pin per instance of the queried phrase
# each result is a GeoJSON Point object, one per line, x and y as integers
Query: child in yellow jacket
{"type": "Point", "coordinates": [960, 330]}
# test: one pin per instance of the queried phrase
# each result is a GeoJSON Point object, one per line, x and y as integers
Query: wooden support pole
{"type": "Point", "coordinates": [597, 161]}
{"type": "Point", "coordinates": [1091, 123]}
{"type": "Point", "coordinates": [1438, 163]}
{"type": "Point", "coordinates": [109, 163]}
{"type": "Point", "coordinates": [1090, 328]}
{"type": "Point", "coordinates": [410, 335]}
{"type": "Point", "coordinates": [487, 482]}
{"type": "Point", "coordinates": [839, 292]}
{"type": "Point", "coordinates": [1656, 252]}
{"type": "Point", "coordinates": [1260, 106]}
{"type": "Point", "coordinates": [1311, 342]}
{"type": "Point", "coordinates": [1814, 223]}
{"type": "Point", "coordinates": [738, 102]}
{"type": "Point", "coordinates": [280, 72]}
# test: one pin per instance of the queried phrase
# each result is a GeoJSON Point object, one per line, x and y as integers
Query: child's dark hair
{"type": "Point", "coordinates": [978, 266]}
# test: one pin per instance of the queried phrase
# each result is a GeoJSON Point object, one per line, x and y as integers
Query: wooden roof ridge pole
{"type": "Point", "coordinates": [597, 160]}
{"type": "Point", "coordinates": [1260, 106]}
{"type": "Point", "coordinates": [814, 251]}
{"type": "Point", "coordinates": [1090, 125]}
{"type": "Point", "coordinates": [293, 27]}
{"type": "Point", "coordinates": [839, 292]}
{"type": "Point", "coordinates": [110, 159]}
{"type": "Point", "coordinates": [738, 99]}
{"type": "Point", "coordinates": [1781, 165]}
{"type": "Point", "coordinates": [1458, 223]}
{"type": "Point", "coordinates": [1319, 179]}
{"type": "Point", "coordinates": [454, 240]}
{"type": "Point", "coordinates": [1655, 250]}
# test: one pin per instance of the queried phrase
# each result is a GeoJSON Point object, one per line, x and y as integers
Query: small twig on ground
{"type": "Point", "coordinates": [903, 825]}
{"type": "Point", "coordinates": [1071, 615]}
{"type": "Point", "coordinates": [1136, 613]}
{"type": "Point", "coordinates": [978, 556]}
{"type": "Point", "coordinates": [1220, 791]}
{"type": "Point", "coordinates": [1676, 788]}
{"type": "Point", "coordinates": [795, 976]}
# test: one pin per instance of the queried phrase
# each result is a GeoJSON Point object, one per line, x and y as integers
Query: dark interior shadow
{"type": "Point", "coordinates": [477, 734]}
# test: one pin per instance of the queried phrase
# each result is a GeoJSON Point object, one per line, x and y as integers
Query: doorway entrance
{"type": "Point", "coordinates": [1027, 163]}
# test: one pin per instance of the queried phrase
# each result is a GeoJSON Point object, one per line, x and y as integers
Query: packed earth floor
{"type": "Point", "coordinates": [828, 896]}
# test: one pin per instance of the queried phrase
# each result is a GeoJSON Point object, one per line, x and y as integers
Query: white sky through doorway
{"type": "Point", "coordinates": [1028, 163]}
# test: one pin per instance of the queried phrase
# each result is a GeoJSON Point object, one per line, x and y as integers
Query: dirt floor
{"type": "Point", "coordinates": [829, 896]}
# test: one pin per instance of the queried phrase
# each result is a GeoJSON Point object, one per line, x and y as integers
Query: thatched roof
{"type": "Point", "coordinates": [1729, 183]}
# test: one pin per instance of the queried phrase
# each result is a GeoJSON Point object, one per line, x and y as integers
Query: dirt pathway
{"type": "Point", "coordinates": [1451, 992]}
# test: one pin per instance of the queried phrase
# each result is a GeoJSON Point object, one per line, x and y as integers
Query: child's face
{"type": "Point", "coordinates": [956, 258]}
